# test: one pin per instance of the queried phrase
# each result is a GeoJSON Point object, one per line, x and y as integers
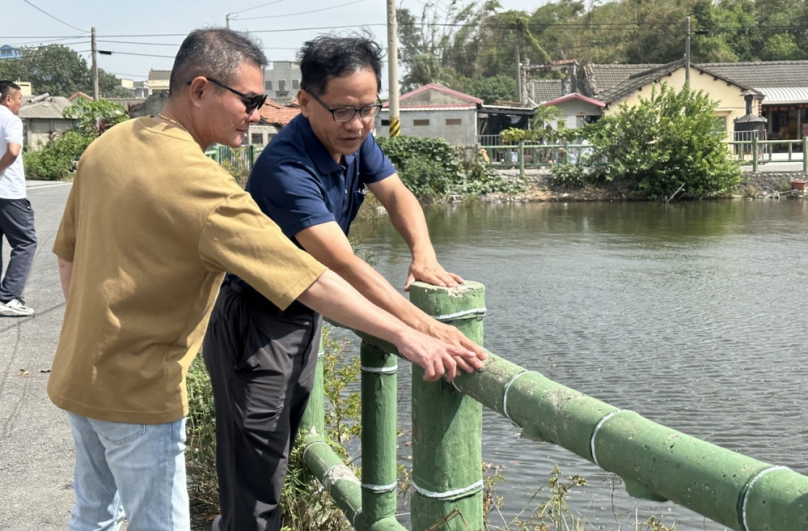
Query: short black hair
{"type": "Point", "coordinates": [328, 56]}
{"type": "Point", "coordinates": [6, 87]}
{"type": "Point", "coordinates": [214, 52]}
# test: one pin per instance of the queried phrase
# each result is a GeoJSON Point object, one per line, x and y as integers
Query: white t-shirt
{"type": "Point", "coordinates": [12, 181]}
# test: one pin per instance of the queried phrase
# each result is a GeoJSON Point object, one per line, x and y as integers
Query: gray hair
{"type": "Point", "coordinates": [216, 53]}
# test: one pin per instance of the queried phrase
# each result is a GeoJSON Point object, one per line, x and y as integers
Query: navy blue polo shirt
{"type": "Point", "coordinates": [297, 183]}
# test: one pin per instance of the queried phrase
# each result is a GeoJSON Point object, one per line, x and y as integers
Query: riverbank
{"type": "Point", "coordinates": [761, 185]}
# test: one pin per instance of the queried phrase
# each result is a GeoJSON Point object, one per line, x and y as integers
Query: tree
{"type": "Point", "coordinates": [489, 89]}
{"type": "Point", "coordinates": [95, 117]}
{"type": "Point", "coordinates": [664, 144]}
{"type": "Point", "coordinates": [59, 71]}
{"type": "Point", "coordinates": [434, 42]}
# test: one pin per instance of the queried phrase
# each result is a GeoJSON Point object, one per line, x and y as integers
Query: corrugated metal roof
{"type": "Point", "coordinates": [784, 95]}
{"type": "Point", "coordinates": [541, 90]}
{"type": "Point", "coordinates": [159, 75]}
{"type": "Point", "coordinates": [763, 74]}
{"type": "Point", "coordinates": [603, 78]}
{"type": "Point", "coordinates": [49, 109]}
{"type": "Point", "coordinates": [434, 108]}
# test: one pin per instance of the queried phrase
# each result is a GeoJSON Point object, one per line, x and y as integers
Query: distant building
{"type": "Point", "coordinates": [43, 118]}
{"type": "Point", "coordinates": [158, 81]}
{"type": "Point", "coordinates": [282, 81]}
{"type": "Point", "coordinates": [274, 117]}
{"type": "Point", "coordinates": [136, 89]}
{"type": "Point", "coordinates": [8, 52]}
{"type": "Point", "coordinates": [435, 111]}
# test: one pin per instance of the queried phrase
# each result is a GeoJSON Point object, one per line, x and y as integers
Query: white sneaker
{"type": "Point", "coordinates": [15, 308]}
{"type": "Point", "coordinates": [215, 525]}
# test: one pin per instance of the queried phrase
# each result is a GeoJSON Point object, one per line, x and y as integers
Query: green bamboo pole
{"type": "Point", "coordinates": [447, 426]}
{"type": "Point", "coordinates": [655, 462]}
{"type": "Point", "coordinates": [314, 417]}
{"type": "Point", "coordinates": [379, 409]}
{"type": "Point", "coordinates": [805, 154]}
{"type": "Point", "coordinates": [336, 477]}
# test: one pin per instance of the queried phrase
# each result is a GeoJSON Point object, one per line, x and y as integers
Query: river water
{"type": "Point", "coordinates": [691, 314]}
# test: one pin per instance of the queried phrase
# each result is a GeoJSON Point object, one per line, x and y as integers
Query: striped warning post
{"type": "Point", "coordinates": [395, 127]}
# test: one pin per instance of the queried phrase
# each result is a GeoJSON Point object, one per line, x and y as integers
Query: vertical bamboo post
{"type": "Point", "coordinates": [314, 416]}
{"type": "Point", "coordinates": [522, 159]}
{"type": "Point", "coordinates": [805, 154]}
{"type": "Point", "coordinates": [447, 426]}
{"type": "Point", "coordinates": [379, 411]}
{"type": "Point", "coordinates": [754, 154]}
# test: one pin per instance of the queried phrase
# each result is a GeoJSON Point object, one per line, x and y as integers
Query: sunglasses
{"type": "Point", "coordinates": [251, 103]}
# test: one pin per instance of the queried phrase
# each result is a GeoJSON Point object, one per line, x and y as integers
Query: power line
{"type": "Point", "coordinates": [54, 18]}
{"type": "Point", "coordinates": [304, 12]}
{"type": "Point", "coordinates": [256, 7]}
{"type": "Point", "coordinates": [599, 26]}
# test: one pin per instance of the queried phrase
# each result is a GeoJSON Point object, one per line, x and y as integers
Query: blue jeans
{"type": "Point", "coordinates": [137, 466]}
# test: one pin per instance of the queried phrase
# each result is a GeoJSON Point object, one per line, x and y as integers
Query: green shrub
{"type": "Point", "coordinates": [433, 169]}
{"type": "Point", "coordinates": [664, 143]}
{"type": "Point", "coordinates": [428, 167]}
{"type": "Point", "coordinates": [570, 176]}
{"type": "Point", "coordinates": [57, 159]}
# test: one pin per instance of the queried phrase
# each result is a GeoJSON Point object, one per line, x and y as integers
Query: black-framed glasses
{"type": "Point", "coordinates": [346, 114]}
{"type": "Point", "coordinates": [251, 103]}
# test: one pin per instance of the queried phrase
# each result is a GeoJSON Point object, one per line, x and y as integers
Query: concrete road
{"type": "Point", "coordinates": [36, 448]}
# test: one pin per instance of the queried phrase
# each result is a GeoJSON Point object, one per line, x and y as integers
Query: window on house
{"type": "Point", "coordinates": [452, 121]}
{"type": "Point", "coordinates": [420, 122]}
{"type": "Point", "coordinates": [282, 85]}
{"type": "Point", "coordinates": [295, 84]}
{"type": "Point", "coordinates": [385, 123]}
{"type": "Point", "coordinates": [721, 124]}
{"type": "Point", "coordinates": [268, 85]}
{"type": "Point", "coordinates": [257, 139]}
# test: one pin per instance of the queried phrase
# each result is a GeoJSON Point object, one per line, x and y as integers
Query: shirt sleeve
{"type": "Point", "coordinates": [13, 131]}
{"type": "Point", "coordinates": [374, 164]}
{"type": "Point", "coordinates": [65, 244]}
{"type": "Point", "coordinates": [237, 238]}
{"type": "Point", "coordinates": [291, 194]}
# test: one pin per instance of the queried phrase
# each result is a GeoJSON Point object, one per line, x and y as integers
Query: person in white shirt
{"type": "Point", "coordinates": [16, 215]}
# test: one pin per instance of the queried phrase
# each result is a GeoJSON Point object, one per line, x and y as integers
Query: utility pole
{"type": "Point", "coordinates": [94, 48]}
{"type": "Point", "coordinates": [227, 20]}
{"type": "Point", "coordinates": [687, 53]}
{"type": "Point", "coordinates": [392, 64]}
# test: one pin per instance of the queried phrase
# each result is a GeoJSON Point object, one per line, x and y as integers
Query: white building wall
{"type": "Point", "coordinates": [456, 126]}
{"type": "Point", "coordinates": [40, 131]}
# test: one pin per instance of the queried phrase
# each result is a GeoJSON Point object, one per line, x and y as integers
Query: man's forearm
{"type": "Point", "coordinates": [334, 298]}
{"type": "Point", "coordinates": [372, 285]}
{"type": "Point", "coordinates": [408, 219]}
{"type": "Point", "coordinates": [65, 274]}
{"type": "Point", "coordinates": [7, 160]}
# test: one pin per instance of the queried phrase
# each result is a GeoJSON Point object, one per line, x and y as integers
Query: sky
{"type": "Point", "coordinates": [146, 34]}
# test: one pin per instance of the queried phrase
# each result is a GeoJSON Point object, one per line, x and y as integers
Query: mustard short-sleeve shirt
{"type": "Point", "coordinates": [151, 226]}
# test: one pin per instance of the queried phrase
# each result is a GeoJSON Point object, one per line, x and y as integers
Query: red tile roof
{"type": "Point", "coordinates": [276, 114]}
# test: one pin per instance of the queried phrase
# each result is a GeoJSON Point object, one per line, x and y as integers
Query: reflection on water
{"type": "Point", "coordinates": [691, 314]}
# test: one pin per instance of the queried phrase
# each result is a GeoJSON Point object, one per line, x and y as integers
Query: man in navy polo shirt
{"type": "Point", "coordinates": [311, 180]}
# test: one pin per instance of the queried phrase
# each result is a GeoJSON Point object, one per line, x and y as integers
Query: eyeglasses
{"type": "Point", "coordinates": [346, 114]}
{"type": "Point", "coordinates": [251, 103]}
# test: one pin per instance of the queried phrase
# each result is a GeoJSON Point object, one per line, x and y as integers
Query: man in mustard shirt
{"type": "Point", "coordinates": [150, 227]}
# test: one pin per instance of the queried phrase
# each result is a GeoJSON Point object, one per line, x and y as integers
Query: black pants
{"type": "Point", "coordinates": [17, 225]}
{"type": "Point", "coordinates": [261, 365]}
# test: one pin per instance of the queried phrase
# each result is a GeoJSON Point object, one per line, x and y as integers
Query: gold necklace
{"type": "Point", "coordinates": [173, 121]}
